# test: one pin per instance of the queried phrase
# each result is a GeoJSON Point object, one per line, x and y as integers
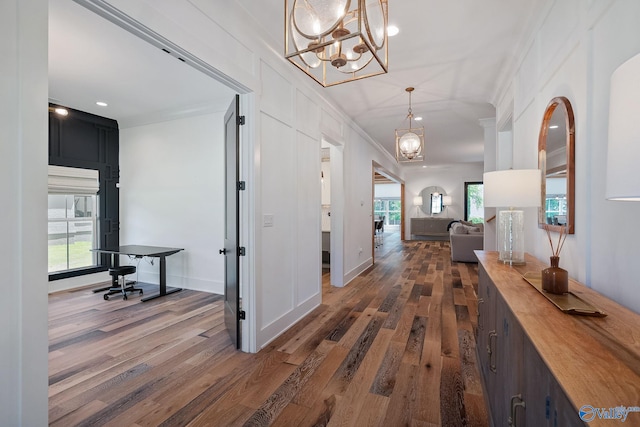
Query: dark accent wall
{"type": "Point", "coordinates": [88, 141]}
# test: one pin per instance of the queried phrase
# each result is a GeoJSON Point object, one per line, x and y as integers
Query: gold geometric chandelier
{"type": "Point", "coordinates": [410, 141]}
{"type": "Point", "coordinates": [337, 41]}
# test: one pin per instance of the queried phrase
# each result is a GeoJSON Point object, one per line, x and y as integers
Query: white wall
{"type": "Point", "coordinates": [577, 47]}
{"type": "Point", "coordinates": [451, 178]}
{"type": "Point", "coordinates": [23, 229]}
{"type": "Point", "coordinates": [292, 121]}
{"type": "Point", "coordinates": [494, 136]}
{"type": "Point", "coordinates": [172, 195]}
{"type": "Point", "coordinates": [359, 159]}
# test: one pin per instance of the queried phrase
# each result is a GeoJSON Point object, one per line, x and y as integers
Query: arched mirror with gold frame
{"type": "Point", "coordinates": [556, 161]}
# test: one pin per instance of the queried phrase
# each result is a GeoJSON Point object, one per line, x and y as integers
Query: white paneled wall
{"type": "Point", "coordinates": [288, 274]}
{"type": "Point", "coordinates": [277, 98]}
{"type": "Point", "coordinates": [308, 194]}
{"type": "Point", "coordinates": [278, 189]}
{"type": "Point", "coordinates": [307, 116]}
{"type": "Point", "coordinates": [331, 126]}
{"type": "Point", "coordinates": [308, 246]}
{"type": "Point", "coordinates": [359, 201]}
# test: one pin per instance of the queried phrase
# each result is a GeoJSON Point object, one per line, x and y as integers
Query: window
{"type": "Point", "coordinates": [389, 208]}
{"type": "Point", "coordinates": [436, 203]}
{"type": "Point", "coordinates": [556, 209]}
{"type": "Point", "coordinates": [474, 202]}
{"type": "Point", "coordinates": [72, 231]}
{"type": "Point", "coordinates": [72, 222]}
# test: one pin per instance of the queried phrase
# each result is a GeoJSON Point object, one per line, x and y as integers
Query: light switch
{"type": "Point", "coordinates": [267, 220]}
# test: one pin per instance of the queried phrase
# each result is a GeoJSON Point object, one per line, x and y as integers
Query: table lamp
{"type": "Point", "coordinates": [623, 150]}
{"type": "Point", "coordinates": [512, 188]}
{"type": "Point", "coordinates": [417, 202]}
{"type": "Point", "coordinates": [446, 202]}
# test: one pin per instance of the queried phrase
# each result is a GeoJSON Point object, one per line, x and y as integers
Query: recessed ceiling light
{"type": "Point", "coordinates": [101, 103]}
{"type": "Point", "coordinates": [392, 30]}
{"type": "Point", "coordinates": [61, 111]}
{"type": "Point", "coordinates": [553, 127]}
{"type": "Point", "coordinates": [417, 119]}
{"type": "Point", "coordinates": [424, 167]}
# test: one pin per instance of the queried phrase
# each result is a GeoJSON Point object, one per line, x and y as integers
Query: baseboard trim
{"type": "Point", "coordinates": [357, 271]}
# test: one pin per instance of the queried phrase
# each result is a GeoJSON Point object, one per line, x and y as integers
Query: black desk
{"type": "Point", "coordinates": [140, 251]}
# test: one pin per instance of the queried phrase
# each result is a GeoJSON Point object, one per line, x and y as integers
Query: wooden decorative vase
{"type": "Point", "coordinates": [555, 280]}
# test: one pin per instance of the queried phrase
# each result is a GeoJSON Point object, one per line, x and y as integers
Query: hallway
{"type": "Point", "coordinates": [395, 347]}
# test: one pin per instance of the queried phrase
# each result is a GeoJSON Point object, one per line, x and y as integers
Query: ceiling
{"type": "Point", "coordinates": [92, 59]}
{"type": "Point", "coordinates": [455, 53]}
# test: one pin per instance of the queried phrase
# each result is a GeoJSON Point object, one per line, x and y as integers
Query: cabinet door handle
{"type": "Point", "coordinates": [491, 351]}
{"type": "Point", "coordinates": [478, 322]}
{"type": "Point", "coordinates": [516, 401]}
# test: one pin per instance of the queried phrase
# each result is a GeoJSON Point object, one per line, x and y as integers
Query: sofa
{"type": "Point", "coordinates": [430, 228]}
{"type": "Point", "coordinates": [465, 237]}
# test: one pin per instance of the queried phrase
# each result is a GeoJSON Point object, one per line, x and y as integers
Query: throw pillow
{"type": "Point", "coordinates": [459, 228]}
{"type": "Point", "coordinates": [478, 225]}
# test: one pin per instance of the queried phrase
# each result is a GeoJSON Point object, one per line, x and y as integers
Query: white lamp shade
{"type": "Point", "coordinates": [623, 151]}
{"type": "Point", "coordinates": [417, 201]}
{"type": "Point", "coordinates": [512, 188]}
{"type": "Point", "coordinates": [446, 201]}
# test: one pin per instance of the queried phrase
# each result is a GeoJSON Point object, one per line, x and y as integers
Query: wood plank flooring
{"type": "Point", "coordinates": [396, 347]}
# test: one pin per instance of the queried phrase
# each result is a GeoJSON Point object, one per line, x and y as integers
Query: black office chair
{"type": "Point", "coordinates": [379, 229]}
{"type": "Point", "coordinates": [121, 271]}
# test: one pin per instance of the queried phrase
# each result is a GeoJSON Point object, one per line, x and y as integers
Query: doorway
{"type": "Point", "coordinates": [177, 61]}
{"type": "Point", "coordinates": [325, 183]}
{"type": "Point", "coordinates": [388, 208]}
{"type": "Point", "coordinates": [332, 207]}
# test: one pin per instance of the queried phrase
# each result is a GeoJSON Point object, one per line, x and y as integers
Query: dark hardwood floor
{"type": "Point", "coordinates": [395, 347]}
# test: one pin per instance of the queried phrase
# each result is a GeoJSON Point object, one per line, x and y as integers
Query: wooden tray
{"type": "Point", "coordinates": [569, 303]}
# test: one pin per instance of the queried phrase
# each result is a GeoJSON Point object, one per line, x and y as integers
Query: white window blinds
{"type": "Point", "coordinates": [65, 180]}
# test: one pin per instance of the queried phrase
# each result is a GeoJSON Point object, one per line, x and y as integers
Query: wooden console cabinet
{"type": "Point", "coordinates": [541, 366]}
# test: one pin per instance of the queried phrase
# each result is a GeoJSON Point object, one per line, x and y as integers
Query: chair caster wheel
{"type": "Point", "coordinates": [124, 297]}
{"type": "Point", "coordinates": [140, 291]}
{"type": "Point", "coordinates": [106, 297]}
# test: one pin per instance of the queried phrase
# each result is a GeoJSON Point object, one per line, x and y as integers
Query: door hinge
{"type": "Point", "coordinates": [242, 251]}
{"type": "Point", "coordinates": [242, 186]}
{"type": "Point", "coordinates": [242, 315]}
{"type": "Point", "coordinates": [241, 120]}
